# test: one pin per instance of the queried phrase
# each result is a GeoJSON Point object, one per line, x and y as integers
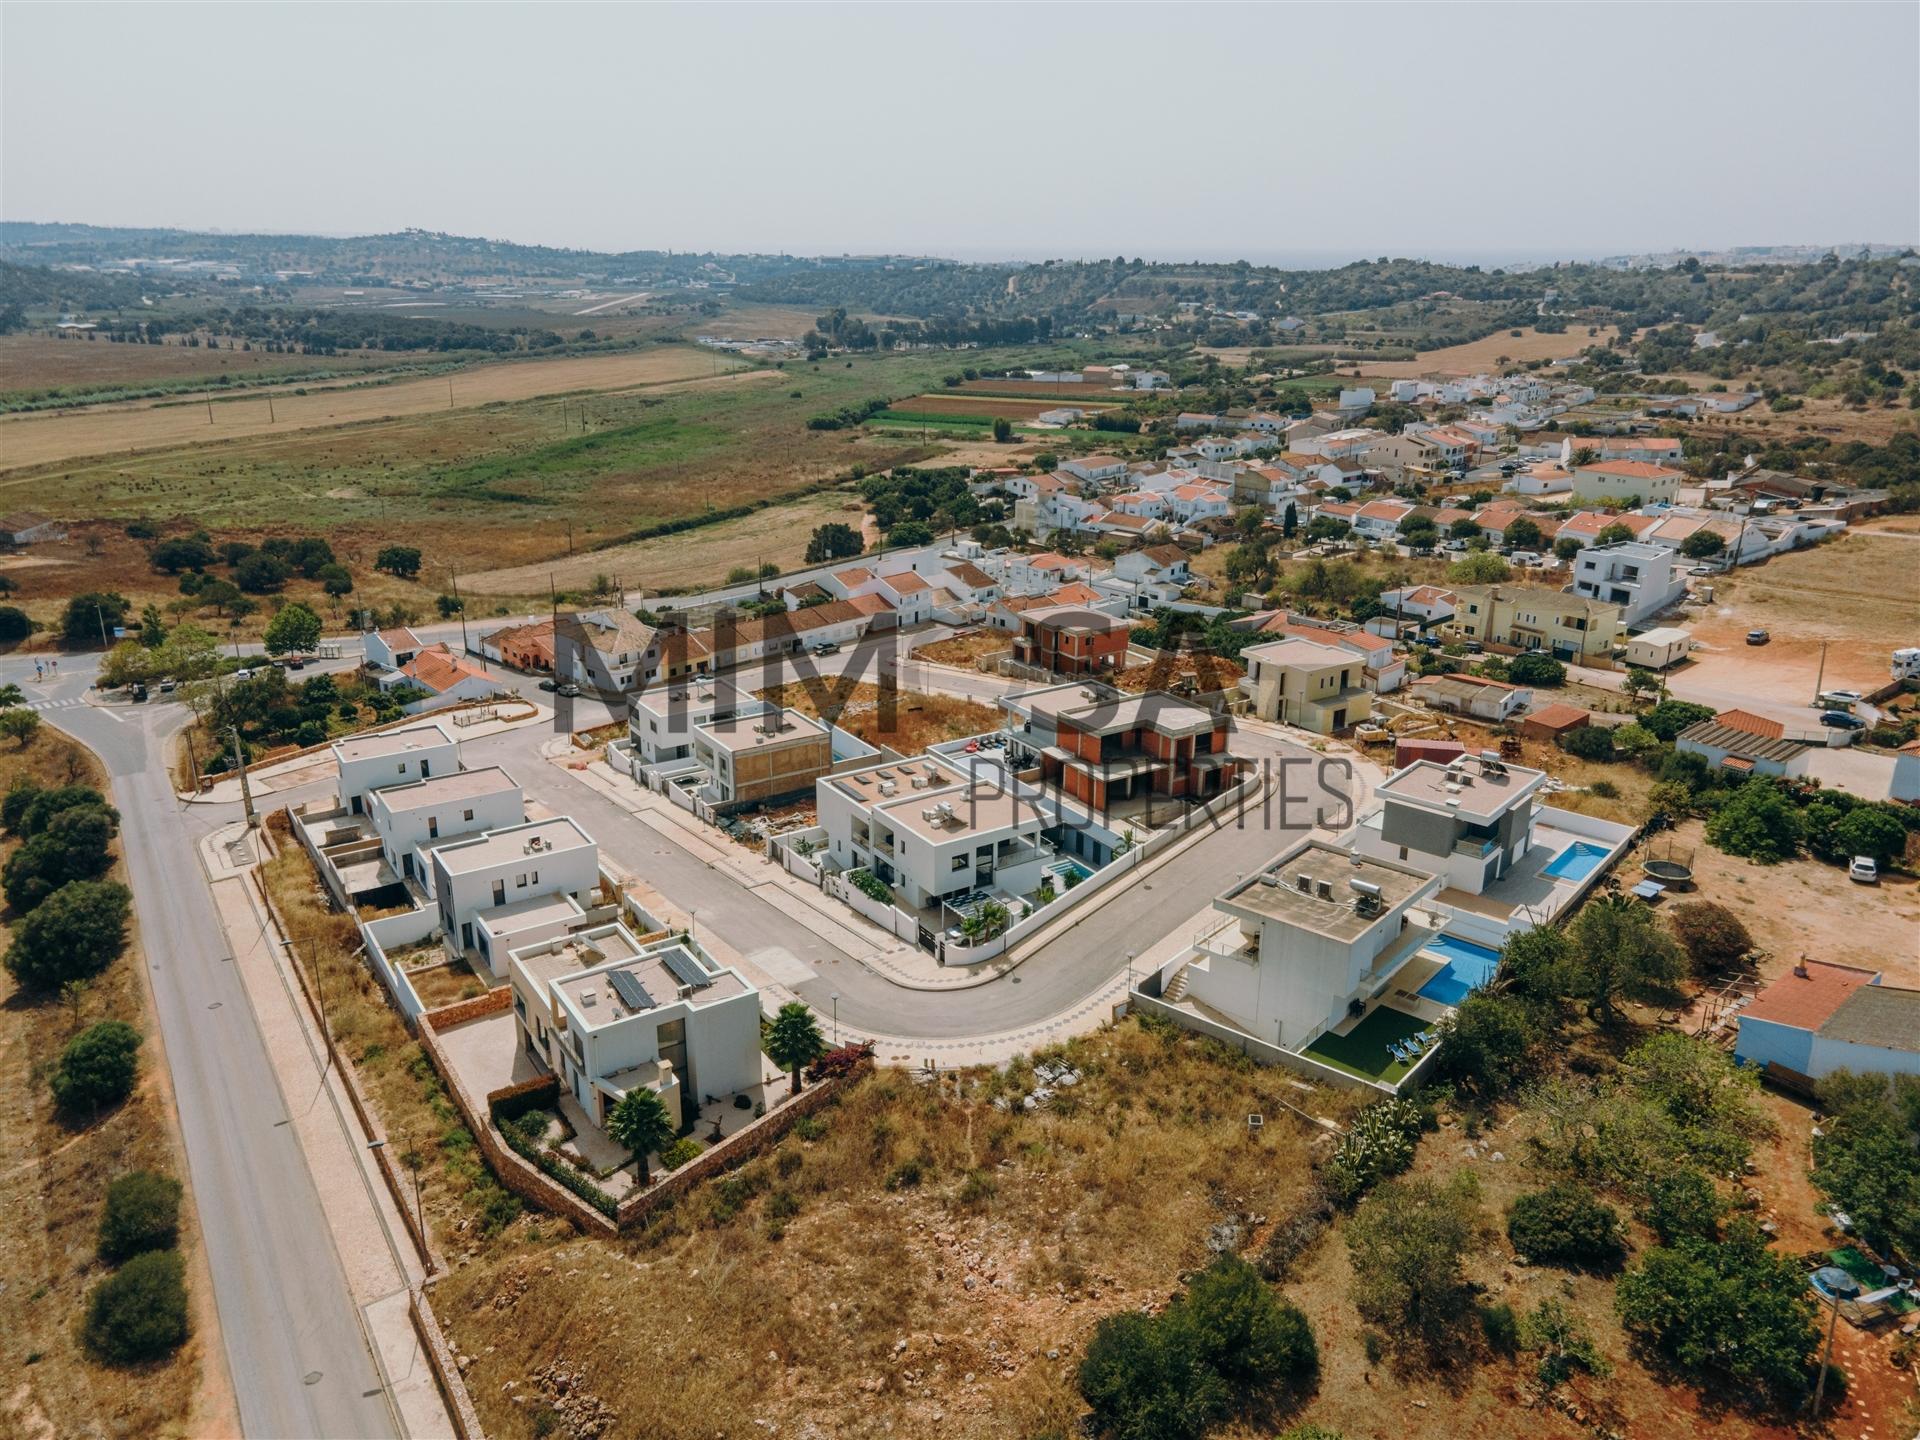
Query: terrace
{"type": "Point", "coordinates": [1560, 865]}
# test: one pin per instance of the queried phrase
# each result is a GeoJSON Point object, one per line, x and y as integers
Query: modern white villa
{"type": "Point", "coordinates": [504, 888]}
{"type": "Point", "coordinates": [1504, 860]}
{"type": "Point", "coordinates": [609, 1012]}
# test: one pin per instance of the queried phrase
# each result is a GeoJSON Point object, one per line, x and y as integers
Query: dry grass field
{"type": "Point", "coordinates": [1044, 390]}
{"type": "Point", "coordinates": [507, 484]}
{"type": "Point", "coordinates": [917, 721]}
{"type": "Point", "coordinates": [689, 560]}
{"type": "Point", "coordinates": [917, 1262]}
{"type": "Point", "coordinates": [966, 649]}
{"type": "Point", "coordinates": [985, 407]}
{"type": "Point", "coordinates": [1483, 355]}
{"type": "Point", "coordinates": [1856, 593]}
{"type": "Point", "coordinates": [39, 362]}
{"type": "Point", "coordinates": [759, 322]}
{"type": "Point", "coordinates": [53, 1180]}
{"type": "Point", "coordinates": [50, 438]}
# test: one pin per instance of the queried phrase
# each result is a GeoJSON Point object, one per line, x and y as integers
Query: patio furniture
{"type": "Point", "coordinates": [1649, 891]}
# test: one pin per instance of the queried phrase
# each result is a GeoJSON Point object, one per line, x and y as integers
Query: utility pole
{"type": "Point", "coordinates": [271, 417]}
{"type": "Point", "coordinates": [246, 791]}
{"type": "Point", "coordinates": [193, 759]}
{"type": "Point", "coordinates": [460, 605]}
{"type": "Point", "coordinates": [209, 412]}
{"type": "Point", "coordinates": [1820, 677]}
{"type": "Point", "coordinates": [449, 392]}
{"type": "Point", "coordinates": [1826, 1356]}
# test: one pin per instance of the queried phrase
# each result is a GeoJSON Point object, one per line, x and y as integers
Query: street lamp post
{"type": "Point", "coordinates": [835, 998]}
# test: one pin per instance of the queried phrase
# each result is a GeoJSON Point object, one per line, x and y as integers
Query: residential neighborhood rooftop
{"type": "Point", "coordinates": [1808, 995]}
{"type": "Point", "coordinates": [392, 742]}
{"type": "Point", "coordinates": [500, 847]}
{"type": "Point", "coordinates": [1469, 786]}
{"type": "Point", "coordinates": [1312, 887]}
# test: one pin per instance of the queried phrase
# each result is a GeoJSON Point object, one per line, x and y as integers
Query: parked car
{"type": "Point", "coordinates": [549, 684]}
{"type": "Point", "coordinates": [167, 686]}
{"type": "Point", "coordinates": [137, 692]}
{"type": "Point", "coordinates": [1841, 720]}
{"type": "Point", "coordinates": [1840, 699]}
{"type": "Point", "coordinates": [1864, 869]}
{"type": "Point", "coordinates": [567, 691]}
{"type": "Point", "coordinates": [243, 674]}
{"type": "Point", "coordinates": [1758, 637]}
{"type": "Point", "coordinates": [827, 647]}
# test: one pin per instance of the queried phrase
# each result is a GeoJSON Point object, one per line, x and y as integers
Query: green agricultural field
{"type": "Point", "coordinates": [512, 482]}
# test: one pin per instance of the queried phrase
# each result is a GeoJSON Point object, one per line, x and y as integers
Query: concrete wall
{"type": "Point", "coordinates": [1764, 1042]}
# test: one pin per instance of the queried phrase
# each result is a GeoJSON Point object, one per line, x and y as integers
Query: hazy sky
{"type": "Point", "coordinates": [1166, 131]}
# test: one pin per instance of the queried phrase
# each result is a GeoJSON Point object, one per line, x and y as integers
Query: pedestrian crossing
{"type": "Point", "coordinates": [55, 704]}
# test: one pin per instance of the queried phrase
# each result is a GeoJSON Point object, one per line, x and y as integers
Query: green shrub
{"type": "Point", "coordinates": [140, 1311]}
{"type": "Point", "coordinates": [1589, 742]}
{"type": "Point", "coordinates": [97, 1068]}
{"type": "Point", "coordinates": [1734, 1314]}
{"type": "Point", "coordinates": [1379, 1143]}
{"type": "Point", "coordinates": [1563, 1344]}
{"type": "Point", "coordinates": [142, 1213]}
{"type": "Point", "coordinates": [1758, 822]}
{"type": "Point", "coordinates": [1712, 935]}
{"type": "Point", "coordinates": [1681, 1205]}
{"type": "Point", "coordinates": [680, 1152]}
{"type": "Point", "coordinates": [1246, 1333]}
{"type": "Point", "coordinates": [75, 932]}
{"type": "Point", "coordinates": [1501, 1327]}
{"type": "Point", "coordinates": [1565, 1224]}
{"type": "Point", "coordinates": [1229, 1340]}
{"type": "Point", "coordinates": [907, 1174]}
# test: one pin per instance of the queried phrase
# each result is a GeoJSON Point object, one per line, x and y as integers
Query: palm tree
{"type": "Point", "coordinates": [794, 1041]}
{"type": "Point", "coordinates": [640, 1123]}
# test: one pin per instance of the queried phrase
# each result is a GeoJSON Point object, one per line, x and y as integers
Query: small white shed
{"type": "Point", "coordinates": [1657, 649]}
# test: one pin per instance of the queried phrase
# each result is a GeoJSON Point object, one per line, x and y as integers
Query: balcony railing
{"type": "Point", "coordinates": [1478, 849]}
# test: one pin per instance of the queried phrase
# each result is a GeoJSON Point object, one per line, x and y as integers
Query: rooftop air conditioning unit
{"type": "Point", "coordinates": [887, 787]}
{"type": "Point", "coordinates": [589, 999]}
{"type": "Point", "coordinates": [1326, 890]}
{"type": "Point", "coordinates": [920, 782]}
{"type": "Point", "coordinates": [1267, 877]}
{"type": "Point", "coordinates": [931, 814]}
{"type": "Point", "coordinates": [1364, 887]}
{"type": "Point", "coordinates": [1304, 883]}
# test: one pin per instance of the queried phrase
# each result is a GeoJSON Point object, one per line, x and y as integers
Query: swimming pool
{"type": "Point", "coordinates": [1468, 967]}
{"type": "Point", "coordinates": [1577, 861]}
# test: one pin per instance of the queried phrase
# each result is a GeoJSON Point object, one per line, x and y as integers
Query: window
{"type": "Point", "coordinates": [466, 814]}
{"type": "Point", "coordinates": [960, 862]}
{"type": "Point", "coordinates": [401, 768]}
{"type": "Point", "coordinates": [520, 882]}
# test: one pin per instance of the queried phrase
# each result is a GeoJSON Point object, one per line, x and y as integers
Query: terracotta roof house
{"type": "Point", "coordinates": [1823, 1016]}
{"type": "Point", "coordinates": [1550, 722]}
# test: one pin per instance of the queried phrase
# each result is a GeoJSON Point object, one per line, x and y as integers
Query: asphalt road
{"type": "Point", "coordinates": [295, 1348]}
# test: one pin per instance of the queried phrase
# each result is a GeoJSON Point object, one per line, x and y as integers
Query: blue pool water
{"type": "Point", "coordinates": [1070, 866]}
{"type": "Point", "coordinates": [1577, 861]}
{"type": "Point", "coordinates": [1469, 966]}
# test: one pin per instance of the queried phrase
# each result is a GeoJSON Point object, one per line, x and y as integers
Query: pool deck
{"type": "Point", "coordinates": [1527, 889]}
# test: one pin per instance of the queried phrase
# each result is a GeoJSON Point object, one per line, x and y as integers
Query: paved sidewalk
{"type": "Point", "coordinates": [363, 1225]}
